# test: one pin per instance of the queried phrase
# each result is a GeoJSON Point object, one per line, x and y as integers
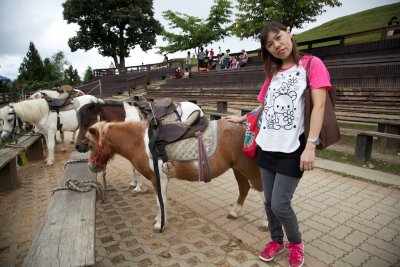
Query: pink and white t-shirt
{"type": "Point", "coordinates": [283, 115]}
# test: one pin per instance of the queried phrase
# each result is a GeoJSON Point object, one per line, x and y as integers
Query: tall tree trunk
{"type": "Point", "coordinates": [121, 65]}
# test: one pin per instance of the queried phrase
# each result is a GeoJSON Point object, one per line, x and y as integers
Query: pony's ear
{"type": "Point", "coordinates": [93, 131]}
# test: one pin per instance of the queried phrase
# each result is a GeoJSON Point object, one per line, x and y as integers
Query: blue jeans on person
{"type": "Point", "coordinates": [278, 192]}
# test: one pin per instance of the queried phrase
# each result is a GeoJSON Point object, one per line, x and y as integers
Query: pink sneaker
{"type": "Point", "coordinates": [296, 254]}
{"type": "Point", "coordinates": [271, 249]}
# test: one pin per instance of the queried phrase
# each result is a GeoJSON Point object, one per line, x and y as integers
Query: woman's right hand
{"type": "Point", "coordinates": [235, 119]}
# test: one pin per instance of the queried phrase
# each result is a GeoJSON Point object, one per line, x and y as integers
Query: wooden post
{"type": "Point", "coordinates": [363, 148]}
{"type": "Point", "coordinates": [101, 91]}
{"type": "Point", "coordinates": [222, 106]}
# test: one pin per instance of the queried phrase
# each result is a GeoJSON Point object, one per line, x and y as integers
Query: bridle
{"type": "Point", "coordinates": [99, 154]}
{"type": "Point", "coordinates": [16, 121]}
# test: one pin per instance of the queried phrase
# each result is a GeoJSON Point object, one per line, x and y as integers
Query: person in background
{"type": "Point", "coordinates": [243, 58]}
{"type": "Point", "coordinates": [177, 74]}
{"type": "Point", "coordinates": [283, 152]}
{"type": "Point", "coordinates": [188, 62]}
{"type": "Point", "coordinates": [111, 68]}
{"type": "Point", "coordinates": [211, 54]}
{"type": "Point", "coordinates": [219, 51]}
{"type": "Point", "coordinates": [200, 59]}
{"type": "Point", "coordinates": [234, 63]}
{"type": "Point", "coordinates": [226, 60]}
{"type": "Point", "coordinates": [165, 58]}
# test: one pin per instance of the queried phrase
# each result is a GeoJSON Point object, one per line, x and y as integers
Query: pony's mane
{"type": "Point", "coordinates": [93, 107]}
{"type": "Point", "coordinates": [50, 93]}
{"type": "Point", "coordinates": [99, 126]}
{"type": "Point", "coordinates": [32, 110]}
{"type": "Point", "coordinates": [105, 126]}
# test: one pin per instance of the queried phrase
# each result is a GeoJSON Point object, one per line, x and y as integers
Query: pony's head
{"type": "Point", "coordinates": [85, 119]}
{"type": "Point", "coordinates": [100, 152]}
{"type": "Point", "coordinates": [10, 121]}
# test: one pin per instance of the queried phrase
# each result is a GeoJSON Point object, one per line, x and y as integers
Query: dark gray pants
{"type": "Point", "coordinates": [278, 192]}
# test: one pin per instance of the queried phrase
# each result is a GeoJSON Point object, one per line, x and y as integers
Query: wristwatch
{"type": "Point", "coordinates": [315, 141]}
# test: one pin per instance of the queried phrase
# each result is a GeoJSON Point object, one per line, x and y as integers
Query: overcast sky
{"type": "Point", "coordinates": [41, 21]}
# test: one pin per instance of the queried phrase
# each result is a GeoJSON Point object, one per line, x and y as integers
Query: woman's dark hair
{"type": "Point", "coordinates": [272, 64]}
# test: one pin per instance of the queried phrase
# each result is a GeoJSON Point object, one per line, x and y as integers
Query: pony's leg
{"type": "Point", "coordinates": [136, 182]}
{"type": "Point", "coordinates": [62, 142]}
{"type": "Point", "coordinates": [244, 187]}
{"type": "Point", "coordinates": [50, 147]}
{"type": "Point", "coordinates": [73, 138]}
{"type": "Point", "coordinates": [164, 185]}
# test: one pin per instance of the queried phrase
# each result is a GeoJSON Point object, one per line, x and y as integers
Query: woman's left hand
{"type": "Point", "coordinates": [307, 159]}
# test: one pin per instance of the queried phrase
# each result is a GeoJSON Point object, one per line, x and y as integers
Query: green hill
{"type": "Point", "coordinates": [363, 21]}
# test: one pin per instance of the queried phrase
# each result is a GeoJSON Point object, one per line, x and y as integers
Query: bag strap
{"type": "Point", "coordinates": [308, 70]}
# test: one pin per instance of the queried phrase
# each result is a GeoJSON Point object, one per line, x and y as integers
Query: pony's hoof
{"type": "Point", "coordinates": [231, 217]}
{"type": "Point", "coordinates": [263, 228]}
{"type": "Point", "coordinates": [157, 227]}
{"type": "Point", "coordinates": [132, 185]}
{"type": "Point", "coordinates": [49, 163]}
{"type": "Point", "coordinates": [138, 190]}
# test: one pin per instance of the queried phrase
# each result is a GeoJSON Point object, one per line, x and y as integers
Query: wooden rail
{"type": "Point", "coordinates": [67, 235]}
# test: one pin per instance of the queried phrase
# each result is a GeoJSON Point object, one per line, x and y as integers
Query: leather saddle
{"type": "Point", "coordinates": [55, 104]}
{"type": "Point", "coordinates": [170, 132]}
{"type": "Point", "coordinates": [161, 108]}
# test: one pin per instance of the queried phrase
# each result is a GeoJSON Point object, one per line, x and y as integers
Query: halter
{"type": "Point", "coordinates": [100, 154]}
{"type": "Point", "coordinates": [16, 121]}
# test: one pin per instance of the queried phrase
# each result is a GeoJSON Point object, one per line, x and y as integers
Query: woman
{"type": "Point", "coordinates": [283, 153]}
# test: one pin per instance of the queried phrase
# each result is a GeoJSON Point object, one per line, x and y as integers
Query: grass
{"type": "Point", "coordinates": [362, 21]}
{"type": "Point", "coordinates": [349, 142]}
{"type": "Point", "coordinates": [347, 158]}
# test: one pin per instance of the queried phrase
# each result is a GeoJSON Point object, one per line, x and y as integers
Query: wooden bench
{"type": "Point", "coordinates": [364, 142]}
{"type": "Point", "coordinates": [67, 235]}
{"type": "Point", "coordinates": [32, 145]}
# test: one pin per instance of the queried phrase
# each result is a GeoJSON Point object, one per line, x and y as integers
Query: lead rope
{"type": "Point", "coordinates": [83, 186]}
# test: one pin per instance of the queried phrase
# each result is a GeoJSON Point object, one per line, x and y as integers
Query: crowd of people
{"type": "Point", "coordinates": [207, 60]}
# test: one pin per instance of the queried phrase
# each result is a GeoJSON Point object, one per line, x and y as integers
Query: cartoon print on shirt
{"type": "Point", "coordinates": [283, 105]}
{"type": "Point", "coordinates": [270, 117]}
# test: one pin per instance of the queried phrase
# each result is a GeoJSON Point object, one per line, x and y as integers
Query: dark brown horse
{"type": "Point", "coordinates": [130, 140]}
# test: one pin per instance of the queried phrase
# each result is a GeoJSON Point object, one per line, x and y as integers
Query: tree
{"type": "Point", "coordinates": [88, 76]}
{"type": "Point", "coordinates": [31, 68]}
{"type": "Point", "coordinates": [71, 76]}
{"type": "Point", "coordinates": [54, 67]}
{"type": "Point", "coordinates": [253, 15]}
{"type": "Point", "coordinates": [195, 32]}
{"type": "Point", "coordinates": [113, 26]}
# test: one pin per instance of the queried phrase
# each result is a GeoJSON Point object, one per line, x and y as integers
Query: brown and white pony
{"type": "Point", "coordinates": [94, 112]}
{"type": "Point", "coordinates": [130, 140]}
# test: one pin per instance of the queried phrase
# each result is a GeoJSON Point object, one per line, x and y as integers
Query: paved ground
{"type": "Point", "coordinates": [344, 221]}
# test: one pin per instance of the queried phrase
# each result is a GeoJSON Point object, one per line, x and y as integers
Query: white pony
{"type": "Point", "coordinates": [37, 113]}
{"type": "Point", "coordinates": [132, 113]}
{"type": "Point", "coordinates": [58, 95]}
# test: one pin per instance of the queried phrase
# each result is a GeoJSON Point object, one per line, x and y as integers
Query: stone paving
{"type": "Point", "coordinates": [344, 222]}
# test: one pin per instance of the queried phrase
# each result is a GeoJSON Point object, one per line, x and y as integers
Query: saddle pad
{"type": "Point", "coordinates": [186, 149]}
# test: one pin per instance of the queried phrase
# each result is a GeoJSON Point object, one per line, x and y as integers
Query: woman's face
{"type": "Point", "coordinates": [279, 44]}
